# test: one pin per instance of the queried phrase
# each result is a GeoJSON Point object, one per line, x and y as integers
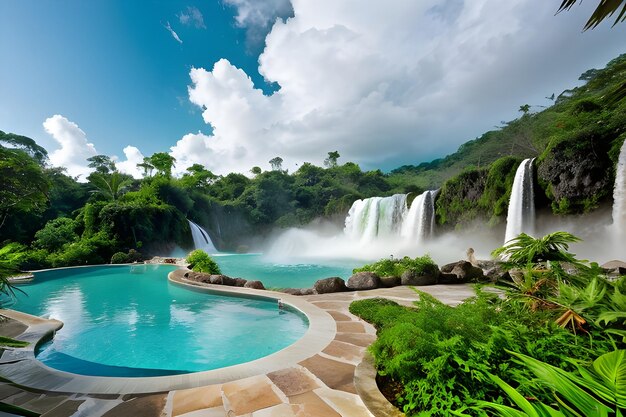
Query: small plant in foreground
{"type": "Point", "coordinates": [421, 265]}
{"type": "Point", "coordinates": [200, 261]}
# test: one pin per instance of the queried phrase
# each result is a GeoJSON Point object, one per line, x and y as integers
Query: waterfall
{"type": "Point", "coordinates": [419, 222]}
{"type": "Point", "coordinates": [376, 217]}
{"type": "Point", "coordinates": [201, 239]}
{"type": "Point", "coordinates": [521, 214]}
{"type": "Point", "coordinates": [619, 195]}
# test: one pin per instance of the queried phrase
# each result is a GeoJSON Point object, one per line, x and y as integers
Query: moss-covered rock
{"type": "Point", "coordinates": [457, 202]}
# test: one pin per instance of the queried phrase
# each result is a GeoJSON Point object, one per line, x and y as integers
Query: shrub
{"type": "Point", "coordinates": [422, 265]}
{"type": "Point", "coordinates": [55, 234]}
{"type": "Point", "coordinates": [120, 258]}
{"type": "Point", "coordinates": [199, 261]}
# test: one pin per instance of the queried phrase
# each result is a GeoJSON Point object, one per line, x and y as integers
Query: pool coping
{"type": "Point", "coordinates": [21, 367]}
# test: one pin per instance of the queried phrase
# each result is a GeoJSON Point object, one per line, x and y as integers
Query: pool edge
{"type": "Point", "coordinates": [21, 367]}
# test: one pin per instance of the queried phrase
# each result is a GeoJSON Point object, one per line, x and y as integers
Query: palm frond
{"type": "Point", "coordinates": [605, 9]}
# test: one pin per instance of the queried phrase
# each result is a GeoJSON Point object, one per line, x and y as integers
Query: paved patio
{"type": "Point", "coordinates": [320, 384]}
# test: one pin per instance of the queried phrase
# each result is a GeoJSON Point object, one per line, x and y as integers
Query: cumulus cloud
{"type": "Point", "coordinates": [391, 83]}
{"type": "Point", "coordinates": [75, 148]}
{"type": "Point", "coordinates": [192, 17]}
{"type": "Point", "coordinates": [171, 31]}
{"type": "Point", "coordinates": [129, 165]}
{"type": "Point", "coordinates": [258, 16]}
{"type": "Point", "coordinates": [193, 148]}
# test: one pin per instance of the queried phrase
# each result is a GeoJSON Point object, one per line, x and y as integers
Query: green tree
{"type": "Point", "coordinates": [197, 176]}
{"type": "Point", "coordinates": [256, 170]}
{"type": "Point", "coordinates": [55, 234]}
{"type": "Point", "coordinates": [26, 144]}
{"type": "Point", "coordinates": [147, 167]}
{"type": "Point", "coordinates": [102, 164]}
{"type": "Point", "coordinates": [524, 108]}
{"type": "Point", "coordinates": [163, 163]}
{"type": "Point", "coordinates": [276, 163]}
{"type": "Point", "coordinates": [23, 187]}
{"type": "Point", "coordinates": [331, 161]}
{"type": "Point", "coordinates": [110, 186]}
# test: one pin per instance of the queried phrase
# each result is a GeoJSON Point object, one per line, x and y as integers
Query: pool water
{"type": "Point", "coordinates": [131, 321]}
{"type": "Point", "coordinates": [275, 274]}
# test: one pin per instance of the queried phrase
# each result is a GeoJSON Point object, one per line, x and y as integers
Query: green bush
{"type": "Point", "coordinates": [199, 261]}
{"type": "Point", "coordinates": [422, 265]}
{"type": "Point", "coordinates": [443, 356]}
{"type": "Point", "coordinates": [55, 234]}
{"type": "Point", "coordinates": [120, 258]}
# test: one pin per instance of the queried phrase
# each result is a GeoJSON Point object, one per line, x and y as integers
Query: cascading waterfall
{"type": "Point", "coordinates": [376, 217]}
{"type": "Point", "coordinates": [419, 223]}
{"type": "Point", "coordinates": [619, 195]}
{"type": "Point", "coordinates": [201, 239]}
{"type": "Point", "coordinates": [521, 215]}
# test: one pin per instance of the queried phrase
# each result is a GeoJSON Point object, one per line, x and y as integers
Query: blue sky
{"type": "Point", "coordinates": [384, 83]}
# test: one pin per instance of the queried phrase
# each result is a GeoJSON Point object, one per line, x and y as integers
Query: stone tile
{"type": "Point", "coordinates": [350, 327]}
{"type": "Point", "coordinates": [333, 305]}
{"type": "Point", "coordinates": [293, 381]}
{"type": "Point", "coordinates": [312, 406]}
{"type": "Point", "coordinates": [359, 339]}
{"type": "Point", "coordinates": [280, 410]}
{"type": "Point", "coordinates": [188, 400]}
{"type": "Point", "coordinates": [339, 316]}
{"type": "Point", "coordinates": [21, 398]}
{"type": "Point", "coordinates": [7, 390]}
{"type": "Point", "coordinates": [345, 351]}
{"type": "Point", "coordinates": [335, 374]}
{"type": "Point", "coordinates": [207, 412]}
{"type": "Point", "coordinates": [150, 406]}
{"type": "Point", "coordinates": [44, 403]}
{"type": "Point", "coordinates": [65, 409]}
{"type": "Point", "coordinates": [344, 403]}
{"type": "Point", "coordinates": [250, 394]}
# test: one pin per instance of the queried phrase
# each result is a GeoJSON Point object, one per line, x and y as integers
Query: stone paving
{"type": "Point", "coordinates": [321, 385]}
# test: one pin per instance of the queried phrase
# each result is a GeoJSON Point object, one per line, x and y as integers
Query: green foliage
{"type": "Point", "coordinates": [599, 390]}
{"type": "Point", "coordinates": [525, 249]}
{"type": "Point", "coordinates": [11, 257]}
{"type": "Point", "coordinates": [200, 261]}
{"type": "Point", "coordinates": [110, 186]}
{"type": "Point", "coordinates": [498, 185]}
{"type": "Point", "coordinates": [457, 202]}
{"type": "Point", "coordinates": [120, 258]}
{"type": "Point", "coordinates": [26, 144]}
{"type": "Point", "coordinates": [421, 265]}
{"type": "Point", "coordinates": [10, 342]}
{"type": "Point", "coordinates": [443, 356]}
{"type": "Point", "coordinates": [55, 234]}
{"type": "Point", "coordinates": [93, 250]}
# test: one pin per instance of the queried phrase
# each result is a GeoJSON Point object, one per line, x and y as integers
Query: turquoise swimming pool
{"type": "Point", "coordinates": [131, 321]}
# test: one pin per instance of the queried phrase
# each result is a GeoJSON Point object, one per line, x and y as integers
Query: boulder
{"type": "Point", "coordinates": [197, 276]}
{"type": "Point", "coordinates": [240, 282]}
{"type": "Point", "coordinates": [464, 272]}
{"type": "Point", "coordinates": [615, 267]}
{"type": "Point", "coordinates": [493, 270]}
{"type": "Point", "coordinates": [447, 278]}
{"type": "Point", "coordinates": [363, 281]}
{"type": "Point", "coordinates": [328, 285]}
{"type": "Point", "coordinates": [390, 281]}
{"type": "Point", "coordinates": [410, 277]}
{"type": "Point", "coordinates": [256, 285]}
{"type": "Point", "coordinates": [220, 279]}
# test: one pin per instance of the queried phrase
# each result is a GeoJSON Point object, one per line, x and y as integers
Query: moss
{"type": "Point", "coordinates": [457, 202]}
{"type": "Point", "coordinates": [497, 192]}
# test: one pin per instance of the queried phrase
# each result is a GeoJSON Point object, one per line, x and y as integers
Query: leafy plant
{"type": "Point", "coordinates": [421, 265]}
{"type": "Point", "coordinates": [597, 391]}
{"type": "Point", "coordinates": [200, 261]}
{"type": "Point", "coordinates": [525, 249]}
{"type": "Point", "coordinates": [11, 256]}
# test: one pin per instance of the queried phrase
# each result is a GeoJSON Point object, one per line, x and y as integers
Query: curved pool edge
{"type": "Point", "coordinates": [21, 367]}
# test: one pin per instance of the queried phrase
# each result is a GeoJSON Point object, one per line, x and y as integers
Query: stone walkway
{"type": "Point", "coordinates": [322, 385]}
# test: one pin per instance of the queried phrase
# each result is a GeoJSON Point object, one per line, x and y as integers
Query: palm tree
{"type": "Point", "coordinates": [110, 186]}
{"type": "Point", "coordinates": [605, 9]}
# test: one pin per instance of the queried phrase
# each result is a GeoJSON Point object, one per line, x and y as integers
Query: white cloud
{"type": "Point", "coordinates": [258, 16]}
{"type": "Point", "coordinates": [75, 149]}
{"type": "Point", "coordinates": [391, 82]}
{"type": "Point", "coordinates": [129, 166]}
{"type": "Point", "coordinates": [171, 31]}
{"type": "Point", "coordinates": [193, 148]}
{"type": "Point", "coordinates": [192, 16]}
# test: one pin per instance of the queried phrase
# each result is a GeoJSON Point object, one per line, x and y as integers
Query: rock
{"type": "Point", "coordinates": [447, 268]}
{"type": "Point", "coordinates": [413, 278]}
{"type": "Point", "coordinates": [390, 281]}
{"type": "Point", "coordinates": [197, 276]}
{"type": "Point", "coordinates": [447, 278]}
{"type": "Point", "coordinates": [363, 281]}
{"type": "Point", "coordinates": [493, 270]}
{"type": "Point", "coordinates": [240, 282]}
{"type": "Point", "coordinates": [466, 272]}
{"type": "Point", "coordinates": [220, 279]}
{"type": "Point", "coordinates": [256, 285]}
{"type": "Point", "coordinates": [328, 285]}
{"type": "Point", "coordinates": [615, 267]}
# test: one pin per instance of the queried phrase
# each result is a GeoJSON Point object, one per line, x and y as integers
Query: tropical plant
{"type": "Point", "coordinates": [11, 256]}
{"type": "Point", "coordinates": [421, 265]}
{"type": "Point", "coordinates": [200, 261]}
{"type": "Point", "coordinates": [596, 391]}
{"type": "Point", "coordinates": [163, 163]}
{"type": "Point", "coordinates": [102, 164]}
{"type": "Point", "coordinates": [110, 186]}
{"type": "Point", "coordinates": [605, 9]}
{"type": "Point", "coordinates": [26, 144]}
{"type": "Point", "coordinates": [525, 249]}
